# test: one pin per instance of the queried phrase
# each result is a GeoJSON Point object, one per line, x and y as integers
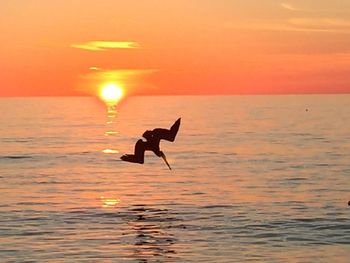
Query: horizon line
{"type": "Point", "coordinates": [182, 95]}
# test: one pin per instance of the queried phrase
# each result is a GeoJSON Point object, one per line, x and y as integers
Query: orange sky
{"type": "Point", "coordinates": [67, 47]}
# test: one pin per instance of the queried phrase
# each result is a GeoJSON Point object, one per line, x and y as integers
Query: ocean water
{"type": "Point", "coordinates": [254, 179]}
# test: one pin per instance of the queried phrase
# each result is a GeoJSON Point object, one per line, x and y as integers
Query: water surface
{"type": "Point", "coordinates": [255, 178]}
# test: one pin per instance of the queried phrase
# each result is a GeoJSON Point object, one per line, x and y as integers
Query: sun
{"type": "Point", "coordinates": [111, 93]}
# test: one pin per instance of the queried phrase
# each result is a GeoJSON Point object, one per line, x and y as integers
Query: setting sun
{"type": "Point", "coordinates": [111, 93]}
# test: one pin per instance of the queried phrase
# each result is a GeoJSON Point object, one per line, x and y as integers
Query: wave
{"type": "Point", "coordinates": [16, 157]}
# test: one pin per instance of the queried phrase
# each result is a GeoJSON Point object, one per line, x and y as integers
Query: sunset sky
{"type": "Point", "coordinates": [156, 47]}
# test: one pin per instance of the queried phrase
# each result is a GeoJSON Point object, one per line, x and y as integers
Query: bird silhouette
{"type": "Point", "coordinates": [153, 138]}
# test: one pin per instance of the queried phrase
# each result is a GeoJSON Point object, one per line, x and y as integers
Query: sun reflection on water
{"type": "Point", "coordinates": [109, 202]}
{"type": "Point", "coordinates": [110, 132]}
{"type": "Point", "coordinates": [110, 151]}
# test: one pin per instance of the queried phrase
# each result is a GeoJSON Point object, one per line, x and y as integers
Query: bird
{"type": "Point", "coordinates": [153, 138]}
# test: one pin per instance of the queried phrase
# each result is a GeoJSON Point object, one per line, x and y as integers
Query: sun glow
{"type": "Point", "coordinates": [111, 93]}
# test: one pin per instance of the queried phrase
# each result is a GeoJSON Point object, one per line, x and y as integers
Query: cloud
{"type": "Point", "coordinates": [289, 7]}
{"type": "Point", "coordinates": [327, 25]}
{"type": "Point", "coordinates": [94, 68]}
{"type": "Point", "coordinates": [118, 75]}
{"type": "Point", "coordinates": [321, 23]}
{"type": "Point", "coordinates": [105, 45]}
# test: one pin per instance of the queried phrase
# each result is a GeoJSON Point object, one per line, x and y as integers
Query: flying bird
{"type": "Point", "coordinates": [153, 138]}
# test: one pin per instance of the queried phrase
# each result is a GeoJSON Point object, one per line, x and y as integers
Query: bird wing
{"type": "Point", "coordinates": [166, 134]}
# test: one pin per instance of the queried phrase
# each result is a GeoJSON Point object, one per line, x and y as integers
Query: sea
{"type": "Point", "coordinates": [253, 179]}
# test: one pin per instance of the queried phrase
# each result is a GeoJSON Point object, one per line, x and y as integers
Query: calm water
{"type": "Point", "coordinates": [255, 178]}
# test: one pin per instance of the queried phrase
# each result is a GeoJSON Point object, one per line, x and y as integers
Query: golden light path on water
{"type": "Point", "coordinates": [111, 93]}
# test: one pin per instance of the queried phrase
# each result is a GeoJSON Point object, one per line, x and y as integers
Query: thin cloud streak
{"type": "Point", "coordinates": [105, 45]}
{"type": "Point", "coordinates": [321, 23]}
{"type": "Point", "coordinates": [289, 7]}
{"type": "Point", "coordinates": [327, 25]}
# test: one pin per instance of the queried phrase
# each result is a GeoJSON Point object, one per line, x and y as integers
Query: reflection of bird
{"type": "Point", "coordinates": [152, 143]}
